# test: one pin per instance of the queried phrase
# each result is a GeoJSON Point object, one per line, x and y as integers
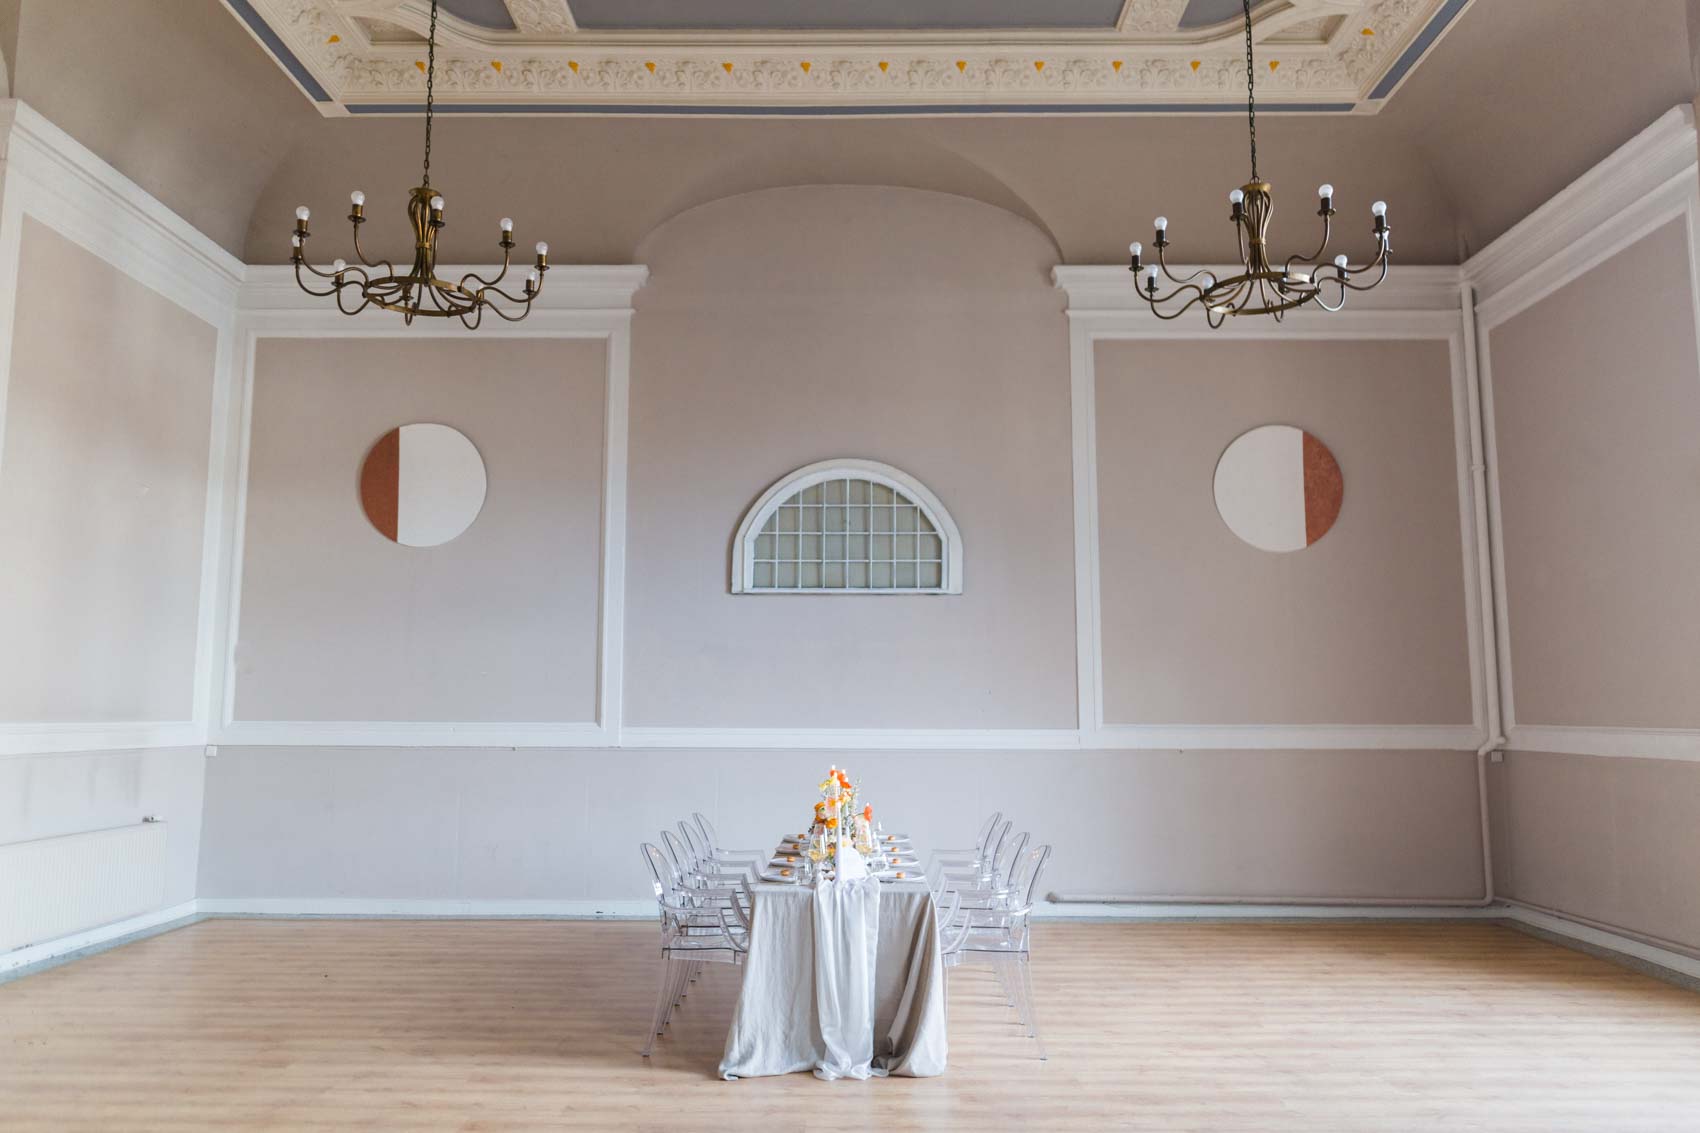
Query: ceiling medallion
{"type": "Point", "coordinates": [1258, 288]}
{"type": "Point", "coordinates": [419, 292]}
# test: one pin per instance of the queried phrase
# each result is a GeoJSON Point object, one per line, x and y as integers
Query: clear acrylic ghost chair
{"type": "Point", "coordinates": [692, 935]}
{"type": "Point", "coordinates": [713, 841]}
{"type": "Point", "coordinates": [1000, 938]}
{"type": "Point", "coordinates": [958, 857]}
{"type": "Point", "coordinates": [711, 862]}
{"type": "Point", "coordinates": [976, 870]}
{"type": "Point", "coordinates": [995, 883]}
{"type": "Point", "coordinates": [692, 870]}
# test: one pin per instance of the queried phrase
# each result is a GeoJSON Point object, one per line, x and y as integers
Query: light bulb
{"type": "Point", "coordinates": [1136, 248]}
{"type": "Point", "coordinates": [1161, 224]}
{"type": "Point", "coordinates": [1151, 274]}
{"type": "Point", "coordinates": [1325, 191]}
{"type": "Point", "coordinates": [1299, 277]}
{"type": "Point", "coordinates": [543, 247]}
{"type": "Point", "coordinates": [338, 265]}
{"type": "Point", "coordinates": [1209, 281]}
{"type": "Point", "coordinates": [295, 241]}
{"type": "Point", "coordinates": [303, 213]}
{"type": "Point", "coordinates": [1379, 208]}
{"type": "Point", "coordinates": [532, 280]}
{"type": "Point", "coordinates": [507, 224]}
{"type": "Point", "coordinates": [1236, 197]}
{"type": "Point", "coordinates": [357, 197]}
{"type": "Point", "coordinates": [437, 204]}
{"type": "Point", "coordinates": [1341, 262]}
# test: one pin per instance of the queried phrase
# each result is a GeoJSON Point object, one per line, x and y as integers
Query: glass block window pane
{"type": "Point", "coordinates": [845, 532]}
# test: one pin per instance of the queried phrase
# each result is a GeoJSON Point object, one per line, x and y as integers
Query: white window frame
{"type": "Point", "coordinates": [743, 547]}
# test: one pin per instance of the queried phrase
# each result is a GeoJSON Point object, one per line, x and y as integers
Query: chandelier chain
{"type": "Point", "coordinates": [430, 85]}
{"type": "Point", "coordinates": [1250, 87]}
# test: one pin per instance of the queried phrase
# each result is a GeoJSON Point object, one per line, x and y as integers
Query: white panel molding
{"type": "Point", "coordinates": [367, 908]}
{"type": "Point", "coordinates": [857, 739]}
{"type": "Point", "coordinates": [1650, 181]}
{"type": "Point", "coordinates": [1415, 303]}
{"type": "Point", "coordinates": [584, 302]}
{"type": "Point", "coordinates": [58, 738]}
{"type": "Point", "coordinates": [1296, 737]}
{"type": "Point", "coordinates": [53, 179]}
{"type": "Point", "coordinates": [1682, 744]}
{"type": "Point", "coordinates": [1607, 208]}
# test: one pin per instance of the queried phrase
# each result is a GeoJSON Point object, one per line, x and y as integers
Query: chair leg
{"type": "Point", "coordinates": [1024, 963]}
{"type": "Point", "coordinates": [662, 997]}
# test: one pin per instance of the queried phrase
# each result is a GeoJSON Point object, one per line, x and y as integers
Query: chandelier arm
{"type": "Point", "coordinates": [1156, 300]}
{"type": "Point", "coordinates": [1369, 286]}
{"type": "Point", "coordinates": [303, 284]}
{"type": "Point", "coordinates": [365, 301]}
{"type": "Point", "coordinates": [524, 310]}
{"type": "Point", "coordinates": [1163, 263]}
{"type": "Point", "coordinates": [507, 257]}
{"type": "Point", "coordinates": [389, 268]}
{"type": "Point", "coordinates": [1325, 305]}
{"type": "Point", "coordinates": [520, 299]}
{"type": "Point", "coordinates": [1315, 258]}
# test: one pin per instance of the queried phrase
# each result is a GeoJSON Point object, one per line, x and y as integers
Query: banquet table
{"type": "Point", "coordinates": [844, 979]}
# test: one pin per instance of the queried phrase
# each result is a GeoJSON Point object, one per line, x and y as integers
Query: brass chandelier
{"type": "Point", "coordinates": [419, 292]}
{"type": "Point", "coordinates": [1259, 288]}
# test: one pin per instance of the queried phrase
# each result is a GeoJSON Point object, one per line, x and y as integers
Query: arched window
{"type": "Point", "coordinates": [847, 527]}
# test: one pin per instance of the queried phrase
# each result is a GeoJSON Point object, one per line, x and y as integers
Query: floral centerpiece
{"type": "Point", "coordinates": [838, 820]}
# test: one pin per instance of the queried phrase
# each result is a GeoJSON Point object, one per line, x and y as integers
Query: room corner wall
{"type": "Point", "coordinates": [1592, 384]}
{"type": "Point", "coordinates": [114, 332]}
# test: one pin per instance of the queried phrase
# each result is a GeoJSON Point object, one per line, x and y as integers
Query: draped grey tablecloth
{"type": "Point", "coordinates": [844, 980]}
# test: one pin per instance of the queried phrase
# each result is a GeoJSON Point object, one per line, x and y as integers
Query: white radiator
{"type": "Point", "coordinates": [53, 887]}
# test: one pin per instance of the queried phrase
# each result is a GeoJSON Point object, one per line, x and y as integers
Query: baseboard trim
{"type": "Point", "coordinates": [50, 953]}
{"type": "Point", "coordinates": [1612, 945]}
{"type": "Point", "coordinates": [426, 909]}
{"type": "Point", "coordinates": [1637, 953]}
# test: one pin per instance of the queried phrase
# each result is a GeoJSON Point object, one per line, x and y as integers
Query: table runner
{"type": "Point", "coordinates": [845, 980]}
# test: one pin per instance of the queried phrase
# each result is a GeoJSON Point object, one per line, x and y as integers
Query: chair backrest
{"type": "Point", "coordinates": [711, 838]}
{"type": "Point", "coordinates": [994, 840]}
{"type": "Point", "coordinates": [661, 870]}
{"type": "Point", "coordinates": [1009, 854]}
{"type": "Point", "coordinates": [694, 839]}
{"type": "Point", "coordinates": [683, 863]}
{"type": "Point", "coordinates": [1026, 881]}
{"type": "Point", "coordinates": [986, 829]}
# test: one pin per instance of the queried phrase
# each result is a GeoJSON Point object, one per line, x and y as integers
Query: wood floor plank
{"type": "Point", "coordinates": [524, 1025]}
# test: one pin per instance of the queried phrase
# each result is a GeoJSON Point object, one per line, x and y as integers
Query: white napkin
{"type": "Point", "coordinates": [852, 866]}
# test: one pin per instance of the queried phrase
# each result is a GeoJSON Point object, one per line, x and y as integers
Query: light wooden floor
{"type": "Point", "coordinates": [507, 1025]}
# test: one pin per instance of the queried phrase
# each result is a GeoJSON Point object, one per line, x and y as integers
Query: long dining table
{"type": "Point", "coordinates": [843, 977]}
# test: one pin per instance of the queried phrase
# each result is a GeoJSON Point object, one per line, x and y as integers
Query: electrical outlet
{"type": "Point", "coordinates": [211, 751]}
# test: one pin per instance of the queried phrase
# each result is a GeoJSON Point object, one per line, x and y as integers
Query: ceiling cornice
{"type": "Point", "coordinates": [1318, 63]}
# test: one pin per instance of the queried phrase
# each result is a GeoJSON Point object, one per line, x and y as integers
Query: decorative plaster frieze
{"type": "Point", "coordinates": [1148, 61]}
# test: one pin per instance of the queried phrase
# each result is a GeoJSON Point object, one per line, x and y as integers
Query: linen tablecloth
{"type": "Point", "coordinates": [845, 980]}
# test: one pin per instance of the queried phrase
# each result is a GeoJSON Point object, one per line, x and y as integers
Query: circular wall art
{"type": "Point", "coordinates": [422, 485]}
{"type": "Point", "coordinates": [1278, 488]}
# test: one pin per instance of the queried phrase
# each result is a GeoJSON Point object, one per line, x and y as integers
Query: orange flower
{"type": "Point", "coordinates": [832, 823]}
{"type": "Point", "coordinates": [868, 812]}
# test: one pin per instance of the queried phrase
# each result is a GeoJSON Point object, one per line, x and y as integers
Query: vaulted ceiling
{"type": "Point", "coordinates": [1512, 102]}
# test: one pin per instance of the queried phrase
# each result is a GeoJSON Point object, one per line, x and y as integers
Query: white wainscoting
{"type": "Point", "coordinates": [1651, 180]}
{"type": "Point", "coordinates": [50, 177]}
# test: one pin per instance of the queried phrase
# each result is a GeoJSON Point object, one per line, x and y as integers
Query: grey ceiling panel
{"type": "Point", "coordinates": [491, 14]}
{"type": "Point", "coordinates": [1207, 13]}
{"type": "Point", "coordinates": [842, 15]}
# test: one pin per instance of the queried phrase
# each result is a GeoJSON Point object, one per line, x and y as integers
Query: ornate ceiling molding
{"type": "Point", "coordinates": [1316, 55]}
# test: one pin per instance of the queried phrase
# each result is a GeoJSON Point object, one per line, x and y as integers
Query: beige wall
{"type": "Point", "coordinates": [338, 623]}
{"type": "Point", "coordinates": [1367, 626]}
{"type": "Point", "coordinates": [443, 825]}
{"type": "Point", "coordinates": [103, 488]}
{"type": "Point", "coordinates": [788, 327]}
{"type": "Point", "coordinates": [1612, 839]}
{"type": "Point", "coordinates": [1596, 393]}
